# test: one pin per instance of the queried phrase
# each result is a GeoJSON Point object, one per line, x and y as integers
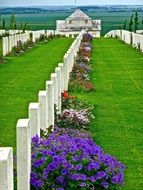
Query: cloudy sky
{"type": "Point", "coordinates": [68, 2]}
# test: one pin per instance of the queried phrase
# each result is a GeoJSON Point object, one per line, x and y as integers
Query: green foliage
{"type": "Point", "coordinates": [125, 24]}
{"type": "Point", "coordinates": [21, 26]}
{"type": "Point", "coordinates": [24, 27]}
{"type": "Point", "coordinates": [12, 22]}
{"type": "Point", "coordinates": [0, 22]}
{"type": "Point", "coordinates": [136, 21]}
{"type": "Point", "coordinates": [3, 24]}
{"type": "Point", "coordinates": [131, 23]}
{"type": "Point", "coordinates": [42, 38]}
{"type": "Point", "coordinates": [15, 26]}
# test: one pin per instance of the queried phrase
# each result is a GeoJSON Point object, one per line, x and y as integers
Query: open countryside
{"type": "Point", "coordinates": [112, 18]}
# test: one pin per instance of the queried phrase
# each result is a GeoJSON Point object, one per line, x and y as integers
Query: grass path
{"type": "Point", "coordinates": [21, 78]}
{"type": "Point", "coordinates": [118, 127]}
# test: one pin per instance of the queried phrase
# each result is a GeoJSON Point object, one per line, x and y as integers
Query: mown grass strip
{"type": "Point", "coordinates": [118, 78]}
{"type": "Point", "coordinates": [21, 78]}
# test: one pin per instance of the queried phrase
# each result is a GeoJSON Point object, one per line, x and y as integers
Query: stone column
{"type": "Point", "coordinates": [6, 169]}
{"type": "Point", "coordinates": [58, 72]}
{"type": "Point", "coordinates": [34, 117]}
{"type": "Point", "coordinates": [55, 86]}
{"type": "Point", "coordinates": [9, 44]}
{"type": "Point", "coordinates": [12, 42]}
{"type": "Point", "coordinates": [66, 74]}
{"type": "Point", "coordinates": [62, 76]}
{"type": "Point", "coordinates": [42, 109]}
{"type": "Point", "coordinates": [4, 46]}
{"type": "Point", "coordinates": [23, 154]}
{"type": "Point", "coordinates": [50, 103]}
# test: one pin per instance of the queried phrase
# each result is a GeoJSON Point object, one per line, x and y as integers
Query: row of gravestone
{"type": "Point", "coordinates": [10, 32]}
{"type": "Point", "coordinates": [11, 41]}
{"type": "Point", "coordinates": [41, 116]}
{"type": "Point", "coordinates": [134, 39]}
{"type": "Point", "coordinates": [15, 36]}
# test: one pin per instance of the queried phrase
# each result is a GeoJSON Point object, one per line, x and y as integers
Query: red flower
{"type": "Point", "coordinates": [73, 97]}
{"type": "Point", "coordinates": [66, 95]}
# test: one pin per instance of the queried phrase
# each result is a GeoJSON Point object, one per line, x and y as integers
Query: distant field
{"type": "Point", "coordinates": [110, 20]}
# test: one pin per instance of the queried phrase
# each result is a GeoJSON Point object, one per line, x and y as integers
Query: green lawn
{"type": "Point", "coordinates": [21, 78]}
{"type": "Point", "coordinates": [118, 126]}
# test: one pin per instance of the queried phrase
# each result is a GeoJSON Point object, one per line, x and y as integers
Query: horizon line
{"type": "Point", "coordinates": [20, 6]}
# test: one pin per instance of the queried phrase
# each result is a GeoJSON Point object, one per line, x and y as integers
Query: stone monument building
{"type": "Point", "coordinates": [79, 21]}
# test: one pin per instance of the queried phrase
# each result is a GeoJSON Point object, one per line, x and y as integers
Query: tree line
{"type": "Point", "coordinates": [12, 24]}
{"type": "Point", "coordinates": [133, 23]}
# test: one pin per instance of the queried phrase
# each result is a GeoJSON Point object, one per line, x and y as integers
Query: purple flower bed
{"type": "Point", "coordinates": [69, 159]}
{"type": "Point", "coordinates": [87, 37]}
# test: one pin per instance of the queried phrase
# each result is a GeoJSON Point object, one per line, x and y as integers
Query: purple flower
{"type": "Point", "coordinates": [101, 175]}
{"type": "Point", "coordinates": [53, 166]}
{"type": "Point", "coordinates": [93, 179]}
{"type": "Point", "coordinates": [38, 184]}
{"type": "Point", "coordinates": [75, 158]}
{"type": "Point", "coordinates": [63, 171]}
{"type": "Point", "coordinates": [60, 179]}
{"type": "Point", "coordinates": [105, 184]}
{"type": "Point", "coordinates": [78, 167]}
{"type": "Point", "coordinates": [93, 166]}
{"type": "Point", "coordinates": [39, 163]}
{"type": "Point", "coordinates": [82, 184]}
{"type": "Point", "coordinates": [118, 179]}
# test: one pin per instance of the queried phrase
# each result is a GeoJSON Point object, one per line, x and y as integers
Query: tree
{"type": "Point", "coordinates": [131, 23]}
{"type": "Point", "coordinates": [28, 27]}
{"type": "Point", "coordinates": [25, 27]}
{"type": "Point", "coordinates": [12, 22]}
{"type": "Point", "coordinates": [136, 20]}
{"type": "Point", "coordinates": [142, 24]}
{"type": "Point", "coordinates": [0, 22]}
{"type": "Point", "coordinates": [15, 26]}
{"type": "Point", "coordinates": [125, 24]}
{"type": "Point", "coordinates": [21, 26]}
{"type": "Point", "coordinates": [3, 24]}
{"type": "Point", "coordinates": [119, 27]}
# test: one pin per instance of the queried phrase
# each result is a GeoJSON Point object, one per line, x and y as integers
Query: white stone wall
{"type": "Point", "coordinates": [137, 41]}
{"type": "Point", "coordinates": [2, 32]}
{"type": "Point", "coordinates": [126, 36]}
{"type": "Point", "coordinates": [76, 23]}
{"type": "Point", "coordinates": [139, 32]}
{"type": "Point", "coordinates": [9, 42]}
{"type": "Point", "coordinates": [36, 34]}
{"type": "Point", "coordinates": [16, 35]}
{"type": "Point", "coordinates": [114, 34]}
{"type": "Point", "coordinates": [95, 34]}
{"type": "Point", "coordinates": [131, 38]}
